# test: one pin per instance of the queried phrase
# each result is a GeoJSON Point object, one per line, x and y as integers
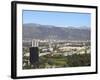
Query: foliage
{"type": "Point", "coordinates": [78, 60]}
{"type": "Point", "coordinates": [58, 60]}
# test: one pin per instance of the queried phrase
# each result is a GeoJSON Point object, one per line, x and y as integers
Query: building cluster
{"type": "Point", "coordinates": [55, 47]}
{"type": "Point", "coordinates": [59, 46]}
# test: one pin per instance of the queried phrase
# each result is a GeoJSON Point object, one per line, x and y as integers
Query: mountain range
{"type": "Point", "coordinates": [38, 31]}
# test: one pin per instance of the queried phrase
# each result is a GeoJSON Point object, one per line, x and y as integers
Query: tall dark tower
{"type": "Point", "coordinates": [34, 56]}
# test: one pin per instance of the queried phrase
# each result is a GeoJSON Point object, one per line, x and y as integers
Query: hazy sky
{"type": "Point", "coordinates": [60, 19]}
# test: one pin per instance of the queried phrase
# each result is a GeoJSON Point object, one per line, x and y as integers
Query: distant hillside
{"type": "Point", "coordinates": [37, 31]}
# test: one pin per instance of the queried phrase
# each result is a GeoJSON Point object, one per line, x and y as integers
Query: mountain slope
{"type": "Point", "coordinates": [37, 31]}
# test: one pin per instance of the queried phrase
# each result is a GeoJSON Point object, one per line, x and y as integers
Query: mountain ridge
{"type": "Point", "coordinates": [38, 31]}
